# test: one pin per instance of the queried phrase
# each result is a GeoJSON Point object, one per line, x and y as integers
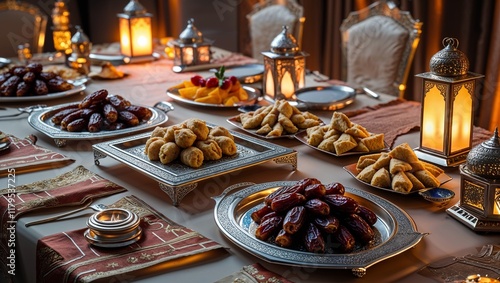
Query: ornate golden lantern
{"type": "Point", "coordinates": [191, 48]}
{"type": "Point", "coordinates": [61, 33]}
{"type": "Point", "coordinates": [80, 55]}
{"type": "Point", "coordinates": [479, 206]}
{"type": "Point", "coordinates": [284, 68]}
{"type": "Point", "coordinates": [136, 39]}
{"type": "Point", "coordinates": [447, 107]}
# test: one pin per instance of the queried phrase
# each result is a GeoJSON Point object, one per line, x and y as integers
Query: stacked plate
{"type": "Point", "coordinates": [113, 227]}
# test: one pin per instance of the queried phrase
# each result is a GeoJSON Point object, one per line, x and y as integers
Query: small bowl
{"type": "Point", "coordinates": [438, 195]}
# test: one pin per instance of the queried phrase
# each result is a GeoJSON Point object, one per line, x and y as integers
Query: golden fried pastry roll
{"type": "Point", "coordinates": [417, 185]}
{"type": "Point", "coordinates": [328, 144]}
{"type": "Point", "coordinates": [286, 109]}
{"type": "Point", "coordinates": [309, 115]}
{"type": "Point", "coordinates": [357, 131]}
{"type": "Point", "coordinates": [366, 174]}
{"type": "Point", "coordinates": [243, 117]}
{"type": "Point", "coordinates": [149, 141]}
{"type": "Point", "coordinates": [198, 127]}
{"type": "Point", "coordinates": [277, 130]}
{"type": "Point", "coordinates": [363, 163]}
{"type": "Point", "coordinates": [254, 121]}
{"type": "Point", "coordinates": [154, 149]}
{"type": "Point", "coordinates": [417, 166]}
{"type": "Point", "coordinates": [264, 130]}
{"type": "Point", "coordinates": [297, 118]}
{"type": "Point", "coordinates": [271, 116]}
{"type": "Point", "coordinates": [184, 137]}
{"type": "Point", "coordinates": [227, 145]}
{"type": "Point", "coordinates": [169, 152]}
{"type": "Point", "coordinates": [210, 149]}
{"type": "Point", "coordinates": [404, 152]}
{"type": "Point", "coordinates": [436, 171]}
{"type": "Point", "coordinates": [344, 143]}
{"type": "Point", "coordinates": [220, 131]}
{"type": "Point", "coordinates": [158, 132]}
{"type": "Point", "coordinates": [373, 156]}
{"type": "Point", "coordinates": [383, 161]}
{"type": "Point", "coordinates": [169, 133]}
{"type": "Point", "coordinates": [396, 165]}
{"type": "Point", "coordinates": [264, 109]}
{"type": "Point", "coordinates": [340, 122]}
{"type": "Point", "coordinates": [287, 124]}
{"type": "Point", "coordinates": [427, 178]}
{"type": "Point", "coordinates": [311, 130]}
{"type": "Point", "coordinates": [360, 147]}
{"type": "Point", "coordinates": [374, 142]}
{"type": "Point", "coordinates": [332, 132]}
{"type": "Point", "coordinates": [401, 183]}
{"type": "Point", "coordinates": [381, 178]}
{"type": "Point", "coordinates": [315, 137]}
{"type": "Point", "coordinates": [308, 122]}
{"type": "Point", "coordinates": [192, 157]}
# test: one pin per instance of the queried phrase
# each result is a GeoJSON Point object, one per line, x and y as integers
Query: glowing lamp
{"type": "Point", "coordinates": [191, 48]}
{"type": "Point", "coordinates": [479, 206]}
{"type": "Point", "coordinates": [80, 52]}
{"type": "Point", "coordinates": [284, 68]}
{"type": "Point", "coordinates": [61, 33]}
{"type": "Point", "coordinates": [136, 40]}
{"type": "Point", "coordinates": [447, 107]}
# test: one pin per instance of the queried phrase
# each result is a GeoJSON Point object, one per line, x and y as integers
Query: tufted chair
{"type": "Point", "coordinates": [378, 45]}
{"type": "Point", "coordinates": [267, 20]}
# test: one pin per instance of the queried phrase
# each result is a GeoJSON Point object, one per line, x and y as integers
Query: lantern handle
{"type": "Point", "coordinates": [447, 41]}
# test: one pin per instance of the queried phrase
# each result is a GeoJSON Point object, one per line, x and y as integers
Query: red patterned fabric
{"type": "Point", "coordinates": [68, 257]}
{"type": "Point", "coordinates": [24, 156]}
{"type": "Point", "coordinates": [254, 273]}
{"type": "Point", "coordinates": [70, 189]}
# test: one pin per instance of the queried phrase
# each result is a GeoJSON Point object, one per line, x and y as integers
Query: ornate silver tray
{"type": "Point", "coordinates": [396, 230]}
{"type": "Point", "coordinates": [253, 94]}
{"type": "Point", "coordinates": [77, 89]}
{"type": "Point", "coordinates": [177, 179]}
{"type": "Point", "coordinates": [40, 120]}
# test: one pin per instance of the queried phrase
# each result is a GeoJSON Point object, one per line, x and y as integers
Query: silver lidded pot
{"type": "Point", "coordinates": [449, 62]}
{"type": "Point", "coordinates": [484, 159]}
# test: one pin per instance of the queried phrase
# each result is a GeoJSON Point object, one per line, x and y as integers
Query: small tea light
{"type": "Point", "coordinates": [113, 227]}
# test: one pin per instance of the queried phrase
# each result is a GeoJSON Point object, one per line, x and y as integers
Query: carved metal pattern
{"type": "Point", "coordinates": [288, 159]}
{"type": "Point", "coordinates": [176, 194]}
{"type": "Point", "coordinates": [441, 87]}
{"type": "Point", "coordinates": [473, 221]}
{"type": "Point", "coordinates": [473, 195]}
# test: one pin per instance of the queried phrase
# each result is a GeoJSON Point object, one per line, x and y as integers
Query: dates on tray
{"type": "Point", "coordinates": [100, 111]}
{"type": "Point", "coordinates": [310, 216]}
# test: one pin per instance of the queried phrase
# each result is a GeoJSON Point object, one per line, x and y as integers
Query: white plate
{"type": "Point", "coordinates": [253, 94]}
{"type": "Point", "coordinates": [77, 89]}
{"type": "Point", "coordinates": [247, 74]}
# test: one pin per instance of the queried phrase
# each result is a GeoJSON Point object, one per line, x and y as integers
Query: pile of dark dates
{"type": "Point", "coordinates": [317, 218]}
{"type": "Point", "coordinates": [100, 111]}
{"type": "Point", "coordinates": [30, 80]}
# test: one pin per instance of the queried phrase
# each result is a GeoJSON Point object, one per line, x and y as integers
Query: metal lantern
{"type": "Point", "coordinates": [447, 107]}
{"type": "Point", "coordinates": [61, 33]}
{"type": "Point", "coordinates": [284, 68]}
{"type": "Point", "coordinates": [136, 40]}
{"type": "Point", "coordinates": [479, 206]}
{"type": "Point", "coordinates": [80, 56]}
{"type": "Point", "coordinates": [191, 48]}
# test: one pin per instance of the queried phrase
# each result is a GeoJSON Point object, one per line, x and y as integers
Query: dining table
{"type": "Point", "coordinates": [443, 237]}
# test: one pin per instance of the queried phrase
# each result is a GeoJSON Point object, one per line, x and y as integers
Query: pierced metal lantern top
{"type": "Point", "coordinates": [134, 8]}
{"type": "Point", "coordinates": [191, 34]}
{"type": "Point", "coordinates": [79, 37]}
{"type": "Point", "coordinates": [449, 61]}
{"type": "Point", "coordinates": [284, 43]}
{"type": "Point", "coordinates": [484, 159]}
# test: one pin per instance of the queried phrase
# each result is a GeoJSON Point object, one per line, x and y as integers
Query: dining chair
{"type": "Point", "coordinates": [266, 21]}
{"type": "Point", "coordinates": [378, 46]}
{"type": "Point", "coordinates": [21, 23]}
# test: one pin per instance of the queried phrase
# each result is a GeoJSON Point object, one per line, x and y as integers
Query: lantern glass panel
{"type": "Point", "coordinates": [204, 54]}
{"type": "Point", "coordinates": [187, 55]}
{"type": "Point", "coordinates": [433, 119]}
{"type": "Point", "coordinates": [496, 202]}
{"type": "Point", "coordinates": [142, 44]}
{"type": "Point", "coordinates": [62, 39]}
{"type": "Point", "coordinates": [473, 195]}
{"type": "Point", "coordinates": [125, 47]}
{"type": "Point", "coordinates": [462, 119]}
{"type": "Point", "coordinates": [269, 83]}
{"type": "Point", "coordinates": [287, 85]}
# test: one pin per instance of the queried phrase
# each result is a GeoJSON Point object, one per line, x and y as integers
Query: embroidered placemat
{"type": "Point", "coordinates": [24, 155]}
{"type": "Point", "coordinates": [254, 273]}
{"type": "Point", "coordinates": [398, 117]}
{"type": "Point", "coordinates": [68, 257]}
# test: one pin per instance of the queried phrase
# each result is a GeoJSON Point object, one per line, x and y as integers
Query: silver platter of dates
{"type": "Point", "coordinates": [395, 231]}
{"type": "Point", "coordinates": [78, 88]}
{"type": "Point", "coordinates": [41, 121]}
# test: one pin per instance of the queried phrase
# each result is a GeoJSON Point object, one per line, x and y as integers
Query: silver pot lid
{"type": "Point", "coordinates": [284, 43]}
{"type": "Point", "coordinates": [191, 34]}
{"type": "Point", "coordinates": [484, 159]}
{"type": "Point", "coordinates": [450, 61]}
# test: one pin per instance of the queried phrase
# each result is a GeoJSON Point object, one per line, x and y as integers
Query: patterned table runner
{"type": "Point", "coordinates": [68, 257]}
{"type": "Point", "coordinates": [254, 273]}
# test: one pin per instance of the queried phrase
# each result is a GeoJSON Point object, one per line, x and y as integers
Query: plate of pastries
{"type": "Point", "coordinates": [99, 114]}
{"type": "Point", "coordinates": [278, 120]}
{"type": "Point", "coordinates": [33, 83]}
{"type": "Point", "coordinates": [214, 91]}
{"type": "Point", "coordinates": [398, 170]}
{"type": "Point", "coordinates": [342, 137]}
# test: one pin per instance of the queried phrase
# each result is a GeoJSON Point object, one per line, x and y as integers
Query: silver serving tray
{"type": "Point", "coordinates": [79, 87]}
{"type": "Point", "coordinates": [177, 179]}
{"type": "Point", "coordinates": [40, 120]}
{"type": "Point", "coordinates": [396, 231]}
{"type": "Point", "coordinates": [325, 97]}
{"type": "Point", "coordinates": [253, 94]}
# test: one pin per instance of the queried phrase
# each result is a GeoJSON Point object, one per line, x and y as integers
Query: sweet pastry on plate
{"type": "Point", "coordinates": [399, 169]}
{"type": "Point", "coordinates": [190, 142]}
{"type": "Point", "coordinates": [108, 72]}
